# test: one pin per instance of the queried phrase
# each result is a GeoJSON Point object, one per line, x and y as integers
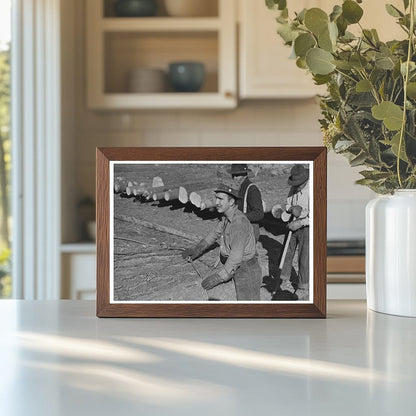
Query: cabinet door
{"type": "Point", "coordinates": [266, 71]}
{"type": "Point", "coordinates": [78, 276]}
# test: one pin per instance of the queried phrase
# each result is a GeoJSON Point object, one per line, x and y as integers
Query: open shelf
{"type": "Point", "coordinates": [118, 45]}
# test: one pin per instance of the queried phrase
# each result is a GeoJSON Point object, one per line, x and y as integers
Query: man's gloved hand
{"type": "Point", "coordinates": [277, 211]}
{"type": "Point", "coordinates": [295, 210]}
{"type": "Point", "coordinates": [211, 281]}
{"type": "Point", "coordinates": [295, 225]}
{"type": "Point", "coordinates": [189, 252]}
{"type": "Point", "coordinates": [195, 251]}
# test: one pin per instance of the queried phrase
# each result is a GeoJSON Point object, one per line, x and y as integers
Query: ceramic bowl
{"type": "Point", "coordinates": [186, 76]}
{"type": "Point", "coordinates": [135, 8]}
{"type": "Point", "coordinates": [147, 80]}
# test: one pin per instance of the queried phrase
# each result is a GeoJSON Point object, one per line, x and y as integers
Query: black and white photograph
{"type": "Point", "coordinates": [215, 231]}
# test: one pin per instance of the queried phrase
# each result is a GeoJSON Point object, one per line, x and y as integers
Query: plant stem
{"type": "Point", "coordinates": [405, 81]}
{"type": "Point", "coordinates": [346, 75]}
{"type": "Point", "coordinates": [373, 88]}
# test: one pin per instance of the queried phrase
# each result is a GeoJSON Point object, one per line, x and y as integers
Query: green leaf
{"type": "Point", "coordinates": [347, 37]}
{"type": "Point", "coordinates": [287, 33]}
{"type": "Point", "coordinates": [344, 65]}
{"type": "Point", "coordinates": [281, 19]}
{"type": "Point", "coordinates": [358, 61]}
{"type": "Point", "coordinates": [396, 70]}
{"type": "Point", "coordinates": [412, 67]}
{"type": "Point", "coordinates": [354, 132]}
{"type": "Point", "coordinates": [374, 150]}
{"type": "Point", "coordinates": [342, 25]}
{"type": "Point", "coordinates": [391, 114]}
{"type": "Point", "coordinates": [381, 89]}
{"type": "Point", "coordinates": [365, 182]}
{"type": "Point", "coordinates": [316, 20]}
{"type": "Point", "coordinates": [374, 174]}
{"type": "Point", "coordinates": [333, 32]}
{"type": "Point", "coordinates": [343, 145]}
{"type": "Point", "coordinates": [363, 86]}
{"type": "Point", "coordinates": [301, 63]}
{"type": "Point", "coordinates": [336, 12]}
{"type": "Point", "coordinates": [303, 43]}
{"type": "Point", "coordinates": [362, 99]}
{"type": "Point", "coordinates": [375, 35]}
{"type": "Point", "coordinates": [395, 147]}
{"type": "Point", "coordinates": [301, 15]}
{"type": "Point", "coordinates": [319, 61]}
{"type": "Point", "coordinates": [393, 11]}
{"type": "Point", "coordinates": [321, 79]}
{"type": "Point", "coordinates": [276, 4]}
{"type": "Point", "coordinates": [325, 42]}
{"type": "Point", "coordinates": [411, 90]}
{"type": "Point", "coordinates": [406, 4]}
{"type": "Point", "coordinates": [359, 160]}
{"type": "Point", "coordinates": [351, 11]}
{"type": "Point", "coordinates": [384, 62]}
{"type": "Point", "coordinates": [368, 36]}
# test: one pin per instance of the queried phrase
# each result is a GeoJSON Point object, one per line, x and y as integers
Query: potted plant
{"type": "Point", "coordinates": [369, 116]}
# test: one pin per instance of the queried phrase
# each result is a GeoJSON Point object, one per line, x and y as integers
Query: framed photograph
{"type": "Point", "coordinates": [211, 232]}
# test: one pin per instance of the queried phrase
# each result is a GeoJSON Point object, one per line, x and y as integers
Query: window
{"type": "Point", "coordinates": [5, 147]}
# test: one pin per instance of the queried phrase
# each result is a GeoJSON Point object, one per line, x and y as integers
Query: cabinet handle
{"type": "Point", "coordinates": [229, 94]}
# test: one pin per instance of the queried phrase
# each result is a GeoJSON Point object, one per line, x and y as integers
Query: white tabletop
{"type": "Point", "coordinates": [57, 358]}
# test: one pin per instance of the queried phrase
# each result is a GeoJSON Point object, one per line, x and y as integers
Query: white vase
{"type": "Point", "coordinates": [391, 253]}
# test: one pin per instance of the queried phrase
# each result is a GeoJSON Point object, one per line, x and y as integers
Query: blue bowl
{"type": "Point", "coordinates": [186, 76]}
{"type": "Point", "coordinates": [135, 8]}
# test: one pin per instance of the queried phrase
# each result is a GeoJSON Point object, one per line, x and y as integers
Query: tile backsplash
{"type": "Point", "coordinates": [254, 123]}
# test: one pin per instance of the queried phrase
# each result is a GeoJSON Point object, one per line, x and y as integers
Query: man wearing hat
{"type": "Point", "coordinates": [297, 214]}
{"type": "Point", "coordinates": [249, 201]}
{"type": "Point", "coordinates": [235, 236]}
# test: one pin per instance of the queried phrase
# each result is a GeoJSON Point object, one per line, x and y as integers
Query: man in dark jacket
{"type": "Point", "coordinates": [249, 201]}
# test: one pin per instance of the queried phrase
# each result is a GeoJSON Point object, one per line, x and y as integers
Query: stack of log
{"type": "Point", "coordinates": [200, 194]}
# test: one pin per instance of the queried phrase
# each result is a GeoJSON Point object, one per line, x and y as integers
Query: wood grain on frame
{"type": "Point", "coordinates": [317, 309]}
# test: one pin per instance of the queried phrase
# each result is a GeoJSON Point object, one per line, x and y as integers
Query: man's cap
{"type": "Point", "coordinates": [298, 175]}
{"type": "Point", "coordinates": [227, 189]}
{"type": "Point", "coordinates": [239, 169]}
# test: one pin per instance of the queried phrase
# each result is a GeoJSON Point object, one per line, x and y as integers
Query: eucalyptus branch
{"type": "Point", "coordinates": [392, 90]}
{"type": "Point", "coordinates": [373, 88]}
{"type": "Point", "coordinates": [346, 75]}
{"type": "Point", "coordinates": [405, 81]}
{"type": "Point", "coordinates": [397, 95]}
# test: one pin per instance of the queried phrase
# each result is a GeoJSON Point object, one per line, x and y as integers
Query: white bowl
{"type": "Point", "coordinates": [147, 80]}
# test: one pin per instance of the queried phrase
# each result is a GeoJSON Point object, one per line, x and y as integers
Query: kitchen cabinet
{"type": "Point", "coordinates": [78, 262]}
{"type": "Point", "coordinates": [265, 70]}
{"type": "Point", "coordinates": [118, 45]}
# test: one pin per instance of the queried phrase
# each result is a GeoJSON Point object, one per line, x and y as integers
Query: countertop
{"type": "Point", "coordinates": [57, 358]}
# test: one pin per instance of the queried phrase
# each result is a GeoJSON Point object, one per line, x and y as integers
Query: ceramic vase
{"type": "Point", "coordinates": [391, 253]}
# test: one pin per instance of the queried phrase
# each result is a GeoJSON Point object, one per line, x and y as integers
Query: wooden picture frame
{"type": "Point", "coordinates": [115, 299]}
